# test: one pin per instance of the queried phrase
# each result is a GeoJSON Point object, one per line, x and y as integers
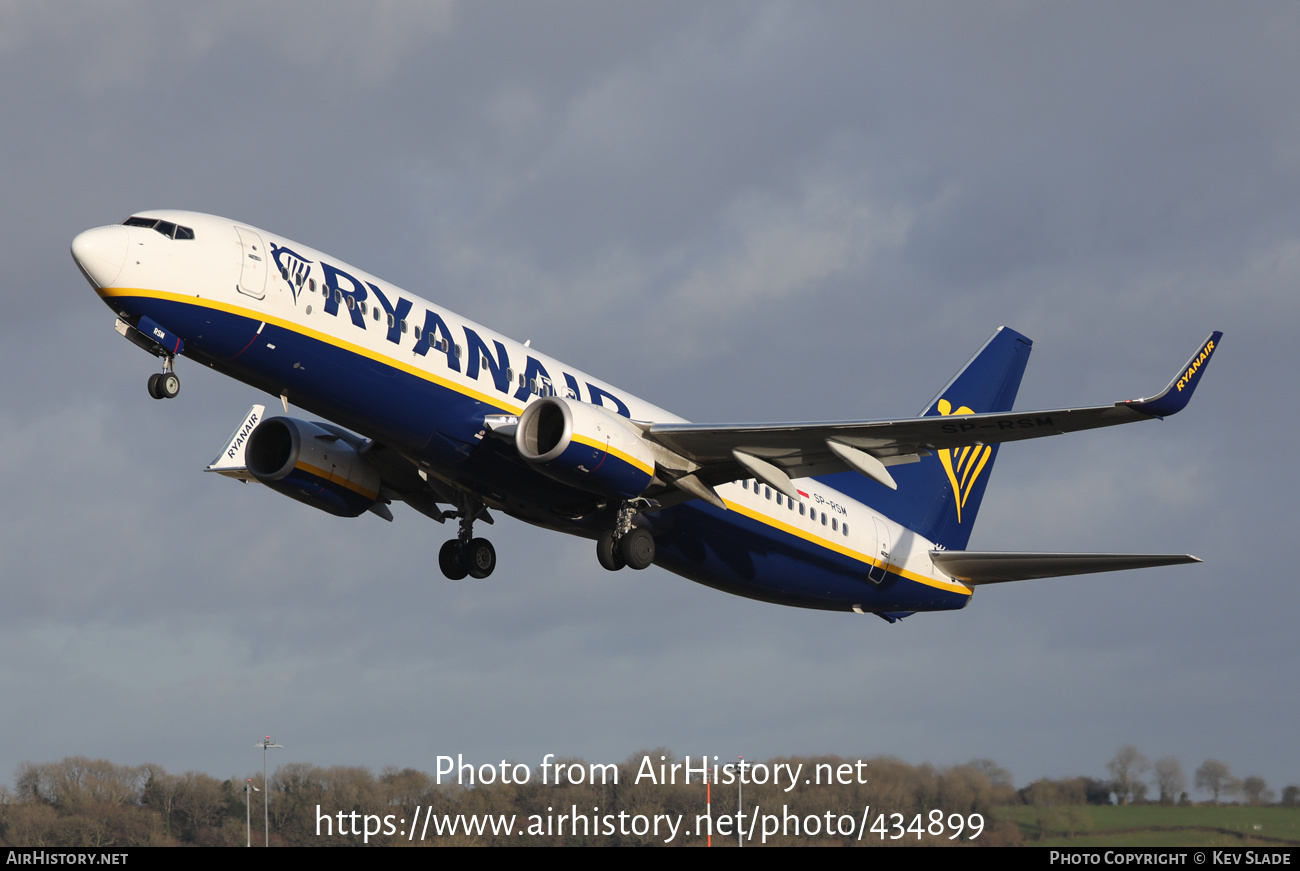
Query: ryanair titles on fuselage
{"type": "Point", "coordinates": [340, 289]}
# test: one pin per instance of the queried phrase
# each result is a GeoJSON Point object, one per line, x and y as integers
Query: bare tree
{"type": "Point", "coordinates": [1214, 776]}
{"type": "Point", "coordinates": [1127, 767]}
{"type": "Point", "coordinates": [1170, 779]}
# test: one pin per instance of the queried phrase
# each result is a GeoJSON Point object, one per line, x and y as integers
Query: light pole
{"type": "Point", "coordinates": [249, 789]}
{"type": "Point", "coordinates": [266, 744]}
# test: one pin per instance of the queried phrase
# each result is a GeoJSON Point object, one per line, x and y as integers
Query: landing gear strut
{"type": "Point", "coordinates": [465, 554]}
{"type": "Point", "coordinates": [626, 544]}
{"type": "Point", "coordinates": [165, 384]}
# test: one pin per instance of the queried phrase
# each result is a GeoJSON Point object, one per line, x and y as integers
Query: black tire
{"type": "Point", "coordinates": [607, 553]}
{"type": "Point", "coordinates": [449, 561]}
{"type": "Point", "coordinates": [480, 558]}
{"type": "Point", "coordinates": [153, 385]}
{"type": "Point", "coordinates": [638, 548]}
{"type": "Point", "coordinates": [168, 385]}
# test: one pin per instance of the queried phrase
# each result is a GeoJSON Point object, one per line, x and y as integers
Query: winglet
{"type": "Point", "coordinates": [1179, 392]}
{"type": "Point", "coordinates": [230, 462]}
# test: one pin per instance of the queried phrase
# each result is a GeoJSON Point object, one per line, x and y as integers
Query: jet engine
{"type": "Point", "coordinates": [316, 466]}
{"type": "Point", "coordinates": [585, 446]}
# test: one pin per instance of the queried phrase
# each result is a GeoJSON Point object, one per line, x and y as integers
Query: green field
{"type": "Point", "coordinates": [1155, 826]}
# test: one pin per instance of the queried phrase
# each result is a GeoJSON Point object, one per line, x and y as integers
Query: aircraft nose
{"type": "Point", "coordinates": [100, 253]}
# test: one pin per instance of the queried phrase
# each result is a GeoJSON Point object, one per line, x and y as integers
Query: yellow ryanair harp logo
{"type": "Point", "coordinates": [964, 468]}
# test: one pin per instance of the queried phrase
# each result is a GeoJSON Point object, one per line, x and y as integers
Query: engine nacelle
{"type": "Point", "coordinates": [307, 462]}
{"type": "Point", "coordinates": [585, 446]}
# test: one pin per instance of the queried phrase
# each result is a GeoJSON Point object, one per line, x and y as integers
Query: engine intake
{"type": "Point", "coordinates": [585, 446]}
{"type": "Point", "coordinates": [312, 464]}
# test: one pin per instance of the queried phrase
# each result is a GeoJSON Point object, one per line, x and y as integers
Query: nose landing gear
{"type": "Point", "coordinates": [165, 384]}
{"type": "Point", "coordinates": [160, 342]}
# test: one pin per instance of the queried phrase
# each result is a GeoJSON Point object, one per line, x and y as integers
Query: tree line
{"type": "Point", "coordinates": [80, 802]}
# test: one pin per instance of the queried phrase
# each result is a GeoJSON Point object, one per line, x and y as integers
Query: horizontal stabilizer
{"type": "Point", "coordinates": [996, 567]}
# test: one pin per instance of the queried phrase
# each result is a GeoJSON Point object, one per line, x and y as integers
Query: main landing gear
{"type": "Point", "coordinates": [626, 544]}
{"type": "Point", "coordinates": [165, 384]}
{"type": "Point", "coordinates": [465, 554]}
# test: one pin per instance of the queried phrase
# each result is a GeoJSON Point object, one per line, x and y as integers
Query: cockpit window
{"type": "Point", "coordinates": [167, 228]}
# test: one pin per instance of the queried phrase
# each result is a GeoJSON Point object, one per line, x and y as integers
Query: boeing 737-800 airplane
{"type": "Point", "coordinates": [428, 408]}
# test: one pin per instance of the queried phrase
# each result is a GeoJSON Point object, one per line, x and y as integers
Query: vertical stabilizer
{"type": "Point", "coordinates": [939, 496]}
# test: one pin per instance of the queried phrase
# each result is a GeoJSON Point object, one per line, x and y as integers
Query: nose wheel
{"type": "Point", "coordinates": [165, 384]}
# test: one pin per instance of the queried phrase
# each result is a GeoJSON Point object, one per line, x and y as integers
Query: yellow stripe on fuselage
{"type": "Point", "coordinates": [500, 400]}
{"type": "Point", "coordinates": [829, 544]}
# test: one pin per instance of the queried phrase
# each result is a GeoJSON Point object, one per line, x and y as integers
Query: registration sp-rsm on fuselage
{"type": "Point", "coordinates": [422, 406]}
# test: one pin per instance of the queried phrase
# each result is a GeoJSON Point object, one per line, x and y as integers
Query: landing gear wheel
{"type": "Point", "coordinates": [637, 548]}
{"type": "Point", "coordinates": [168, 385]}
{"type": "Point", "coordinates": [449, 561]}
{"type": "Point", "coordinates": [153, 385]}
{"type": "Point", "coordinates": [608, 553]}
{"type": "Point", "coordinates": [480, 557]}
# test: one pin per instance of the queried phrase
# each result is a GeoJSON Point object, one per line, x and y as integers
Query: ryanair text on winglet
{"type": "Point", "coordinates": [1196, 364]}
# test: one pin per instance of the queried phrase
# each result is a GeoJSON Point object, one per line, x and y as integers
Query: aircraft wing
{"type": "Point", "coordinates": [775, 453]}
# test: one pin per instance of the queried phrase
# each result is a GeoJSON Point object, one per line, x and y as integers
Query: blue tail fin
{"type": "Point", "coordinates": [939, 496]}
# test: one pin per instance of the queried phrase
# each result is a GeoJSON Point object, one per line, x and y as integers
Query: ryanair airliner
{"type": "Point", "coordinates": [425, 407]}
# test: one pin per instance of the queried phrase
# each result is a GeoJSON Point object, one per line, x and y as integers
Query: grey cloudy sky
{"type": "Point", "coordinates": [739, 211]}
